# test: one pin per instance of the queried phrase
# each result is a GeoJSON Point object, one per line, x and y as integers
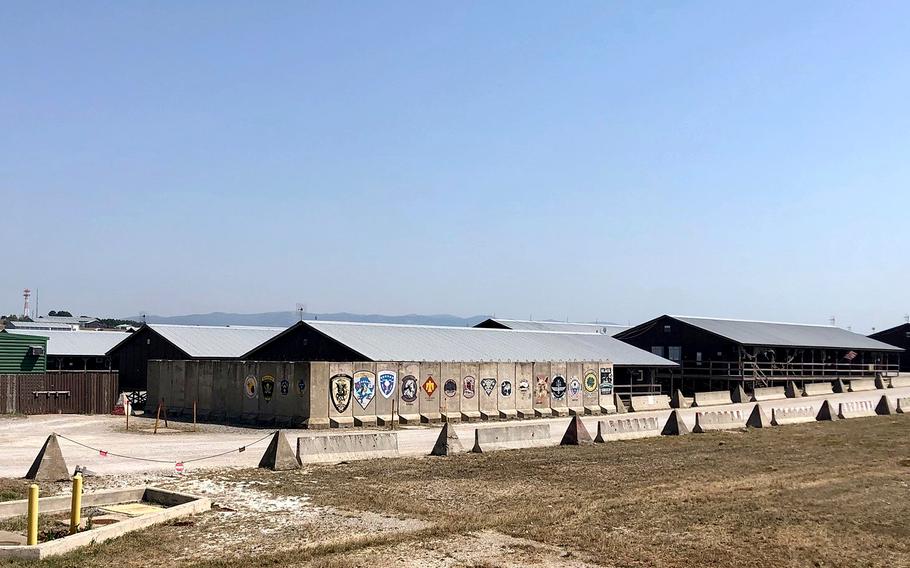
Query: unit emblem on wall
{"type": "Point", "coordinates": [268, 387]}
{"type": "Point", "coordinates": [409, 388]}
{"type": "Point", "coordinates": [250, 386]}
{"type": "Point", "coordinates": [590, 381]}
{"type": "Point", "coordinates": [430, 386]}
{"type": "Point", "coordinates": [450, 387]}
{"type": "Point", "coordinates": [524, 386]}
{"type": "Point", "coordinates": [387, 383]}
{"type": "Point", "coordinates": [285, 386]}
{"type": "Point", "coordinates": [574, 387]}
{"type": "Point", "coordinates": [505, 388]}
{"type": "Point", "coordinates": [558, 387]}
{"type": "Point", "coordinates": [606, 381]}
{"type": "Point", "coordinates": [488, 385]}
{"type": "Point", "coordinates": [301, 386]}
{"type": "Point", "coordinates": [364, 388]}
{"type": "Point", "coordinates": [469, 386]}
{"type": "Point", "coordinates": [340, 391]}
{"type": "Point", "coordinates": [541, 389]}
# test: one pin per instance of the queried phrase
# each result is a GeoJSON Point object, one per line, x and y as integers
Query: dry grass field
{"type": "Point", "coordinates": [820, 494]}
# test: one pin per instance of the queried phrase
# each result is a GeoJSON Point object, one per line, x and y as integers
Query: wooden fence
{"type": "Point", "coordinates": [59, 392]}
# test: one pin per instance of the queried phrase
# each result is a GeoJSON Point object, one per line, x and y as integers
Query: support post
{"type": "Point", "coordinates": [194, 416]}
{"type": "Point", "coordinates": [32, 535]}
{"type": "Point", "coordinates": [76, 504]}
{"type": "Point", "coordinates": [157, 418]}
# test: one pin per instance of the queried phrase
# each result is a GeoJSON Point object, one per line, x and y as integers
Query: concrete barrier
{"type": "Point", "coordinates": [884, 406]}
{"type": "Point", "coordinates": [674, 425]}
{"type": "Point", "coordinates": [677, 400]}
{"type": "Point", "coordinates": [758, 418]}
{"type": "Point", "coordinates": [650, 402]}
{"type": "Point", "coordinates": [826, 412]}
{"type": "Point", "coordinates": [903, 405]}
{"type": "Point", "coordinates": [346, 447]}
{"type": "Point", "coordinates": [769, 393]}
{"type": "Point", "coordinates": [817, 389]}
{"type": "Point", "coordinates": [899, 382]}
{"type": "Point", "coordinates": [792, 415]}
{"type": "Point", "coordinates": [856, 409]}
{"type": "Point", "coordinates": [511, 437]}
{"type": "Point", "coordinates": [712, 398]}
{"type": "Point", "coordinates": [861, 385]}
{"type": "Point", "coordinates": [627, 428]}
{"type": "Point", "coordinates": [792, 391]}
{"type": "Point", "coordinates": [718, 420]}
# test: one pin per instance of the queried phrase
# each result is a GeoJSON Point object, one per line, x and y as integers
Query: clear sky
{"type": "Point", "coordinates": [589, 160]}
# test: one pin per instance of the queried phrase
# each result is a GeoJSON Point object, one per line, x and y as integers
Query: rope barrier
{"type": "Point", "coordinates": [153, 460]}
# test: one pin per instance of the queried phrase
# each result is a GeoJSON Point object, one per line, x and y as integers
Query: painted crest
{"type": "Point", "coordinates": [450, 387]}
{"type": "Point", "coordinates": [430, 386]}
{"type": "Point", "coordinates": [409, 388]}
{"type": "Point", "coordinates": [340, 391]}
{"type": "Point", "coordinates": [285, 387]}
{"type": "Point", "coordinates": [542, 389]}
{"type": "Point", "coordinates": [488, 385]}
{"type": "Point", "coordinates": [387, 382]}
{"type": "Point", "coordinates": [606, 381]}
{"type": "Point", "coordinates": [505, 388]}
{"type": "Point", "coordinates": [364, 388]}
{"type": "Point", "coordinates": [301, 386]}
{"type": "Point", "coordinates": [590, 381]}
{"type": "Point", "coordinates": [574, 387]}
{"type": "Point", "coordinates": [268, 387]}
{"type": "Point", "coordinates": [524, 386]}
{"type": "Point", "coordinates": [558, 387]}
{"type": "Point", "coordinates": [469, 386]}
{"type": "Point", "coordinates": [251, 386]}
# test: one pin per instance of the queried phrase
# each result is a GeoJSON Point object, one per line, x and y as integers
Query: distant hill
{"type": "Point", "coordinates": [284, 319]}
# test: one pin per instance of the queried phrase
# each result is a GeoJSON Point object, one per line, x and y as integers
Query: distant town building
{"type": "Point", "coordinates": [75, 350]}
{"type": "Point", "coordinates": [555, 326]}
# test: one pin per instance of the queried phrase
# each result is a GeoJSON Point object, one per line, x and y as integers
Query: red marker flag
{"type": "Point", "coordinates": [178, 467]}
{"type": "Point", "coordinates": [103, 453]}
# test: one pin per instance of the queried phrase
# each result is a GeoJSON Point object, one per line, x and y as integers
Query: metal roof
{"type": "Point", "coordinates": [209, 341]}
{"type": "Point", "coordinates": [393, 342]}
{"type": "Point", "coordinates": [76, 343]}
{"type": "Point", "coordinates": [558, 326]}
{"type": "Point", "coordinates": [39, 325]}
{"type": "Point", "coordinates": [777, 334]}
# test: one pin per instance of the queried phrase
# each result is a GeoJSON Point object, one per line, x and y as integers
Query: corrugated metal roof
{"type": "Point", "coordinates": [207, 341]}
{"type": "Point", "coordinates": [77, 343]}
{"type": "Point", "coordinates": [558, 326]}
{"type": "Point", "coordinates": [777, 334]}
{"type": "Point", "coordinates": [49, 325]}
{"type": "Point", "coordinates": [391, 342]}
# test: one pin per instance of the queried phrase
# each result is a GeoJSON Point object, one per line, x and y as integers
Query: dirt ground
{"type": "Point", "coordinates": [825, 494]}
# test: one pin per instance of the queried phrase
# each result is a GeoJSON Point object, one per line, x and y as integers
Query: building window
{"type": "Point", "coordinates": [675, 353]}
{"type": "Point", "coordinates": [657, 350]}
{"type": "Point", "coordinates": [667, 328]}
{"type": "Point", "coordinates": [698, 356]}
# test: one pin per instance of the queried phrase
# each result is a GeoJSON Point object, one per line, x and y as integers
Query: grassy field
{"type": "Point", "coordinates": [820, 494]}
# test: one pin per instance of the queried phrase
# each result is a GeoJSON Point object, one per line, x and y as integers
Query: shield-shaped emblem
{"type": "Point", "coordinates": [430, 386]}
{"type": "Point", "coordinates": [301, 386]}
{"type": "Point", "coordinates": [542, 389]}
{"type": "Point", "coordinates": [590, 381]}
{"type": "Point", "coordinates": [387, 383]}
{"type": "Point", "coordinates": [268, 387]}
{"type": "Point", "coordinates": [250, 386]}
{"type": "Point", "coordinates": [285, 386]}
{"type": "Point", "coordinates": [409, 388]}
{"type": "Point", "coordinates": [450, 387]}
{"type": "Point", "coordinates": [505, 388]}
{"type": "Point", "coordinates": [606, 381]}
{"type": "Point", "coordinates": [558, 387]}
{"type": "Point", "coordinates": [364, 388]}
{"type": "Point", "coordinates": [574, 387]}
{"type": "Point", "coordinates": [488, 385]}
{"type": "Point", "coordinates": [469, 386]}
{"type": "Point", "coordinates": [524, 386]}
{"type": "Point", "coordinates": [340, 391]}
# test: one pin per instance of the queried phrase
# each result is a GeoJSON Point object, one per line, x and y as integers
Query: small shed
{"type": "Point", "coordinates": [21, 353]}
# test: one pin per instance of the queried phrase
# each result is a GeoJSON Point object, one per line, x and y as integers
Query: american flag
{"type": "Point", "coordinates": [851, 355]}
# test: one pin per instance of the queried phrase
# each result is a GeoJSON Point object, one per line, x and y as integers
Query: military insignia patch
{"type": "Point", "coordinates": [387, 383]}
{"type": "Point", "coordinates": [574, 386]}
{"type": "Point", "coordinates": [558, 387]}
{"type": "Point", "coordinates": [364, 388]}
{"type": "Point", "coordinates": [542, 389]}
{"type": "Point", "coordinates": [469, 386]}
{"type": "Point", "coordinates": [430, 386]}
{"type": "Point", "coordinates": [488, 385]}
{"type": "Point", "coordinates": [285, 386]}
{"type": "Point", "coordinates": [606, 381]}
{"type": "Point", "coordinates": [409, 388]}
{"type": "Point", "coordinates": [301, 386]}
{"type": "Point", "coordinates": [268, 387]}
{"type": "Point", "coordinates": [340, 391]}
{"type": "Point", "coordinates": [250, 386]}
{"type": "Point", "coordinates": [450, 387]}
{"type": "Point", "coordinates": [590, 381]}
{"type": "Point", "coordinates": [505, 388]}
{"type": "Point", "coordinates": [524, 386]}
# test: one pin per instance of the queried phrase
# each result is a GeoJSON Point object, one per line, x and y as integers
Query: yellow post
{"type": "Point", "coordinates": [32, 515]}
{"type": "Point", "coordinates": [76, 507]}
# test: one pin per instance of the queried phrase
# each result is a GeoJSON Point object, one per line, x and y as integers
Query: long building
{"type": "Point", "coordinates": [557, 326]}
{"type": "Point", "coordinates": [898, 336]}
{"type": "Point", "coordinates": [77, 350]}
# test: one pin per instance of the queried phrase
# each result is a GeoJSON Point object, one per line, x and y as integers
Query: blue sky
{"type": "Point", "coordinates": [589, 160]}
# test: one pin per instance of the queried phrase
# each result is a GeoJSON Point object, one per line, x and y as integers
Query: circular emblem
{"type": "Point", "coordinates": [558, 387]}
{"type": "Point", "coordinates": [469, 386]}
{"type": "Point", "coordinates": [590, 381]}
{"type": "Point", "coordinates": [268, 387]}
{"type": "Point", "coordinates": [450, 387]}
{"type": "Point", "coordinates": [574, 387]}
{"type": "Point", "coordinates": [505, 388]}
{"type": "Point", "coordinates": [250, 386]}
{"type": "Point", "coordinates": [409, 388]}
{"type": "Point", "coordinates": [524, 386]}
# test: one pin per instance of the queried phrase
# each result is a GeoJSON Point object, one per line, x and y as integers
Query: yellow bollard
{"type": "Point", "coordinates": [76, 507]}
{"type": "Point", "coordinates": [32, 515]}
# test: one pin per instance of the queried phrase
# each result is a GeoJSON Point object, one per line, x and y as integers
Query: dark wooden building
{"type": "Point", "coordinates": [715, 354]}
{"type": "Point", "coordinates": [898, 336]}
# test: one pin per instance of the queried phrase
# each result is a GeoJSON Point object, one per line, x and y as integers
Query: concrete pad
{"type": "Point", "coordinates": [49, 464]}
{"type": "Point", "coordinates": [409, 419]}
{"type": "Point", "coordinates": [447, 443]}
{"type": "Point", "coordinates": [675, 425]}
{"type": "Point", "coordinates": [769, 393]}
{"type": "Point", "coordinates": [508, 413]}
{"type": "Point", "coordinates": [856, 409]}
{"type": "Point", "coordinates": [511, 437]}
{"type": "Point", "coordinates": [470, 415]}
{"type": "Point", "coordinates": [718, 420]}
{"type": "Point", "coordinates": [758, 418]}
{"type": "Point", "coordinates": [8, 538]}
{"type": "Point", "coordinates": [576, 434]}
{"type": "Point", "coordinates": [346, 447]}
{"type": "Point", "coordinates": [712, 398]}
{"type": "Point", "coordinates": [341, 421]}
{"type": "Point", "coordinates": [884, 407]}
{"type": "Point", "coordinates": [627, 428]}
{"type": "Point", "coordinates": [451, 417]}
{"type": "Point", "coordinates": [279, 456]}
{"type": "Point", "coordinates": [826, 412]}
{"type": "Point", "coordinates": [652, 402]}
{"type": "Point", "coordinates": [818, 389]}
{"type": "Point", "coordinates": [792, 415]}
{"type": "Point", "coordinates": [862, 385]}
